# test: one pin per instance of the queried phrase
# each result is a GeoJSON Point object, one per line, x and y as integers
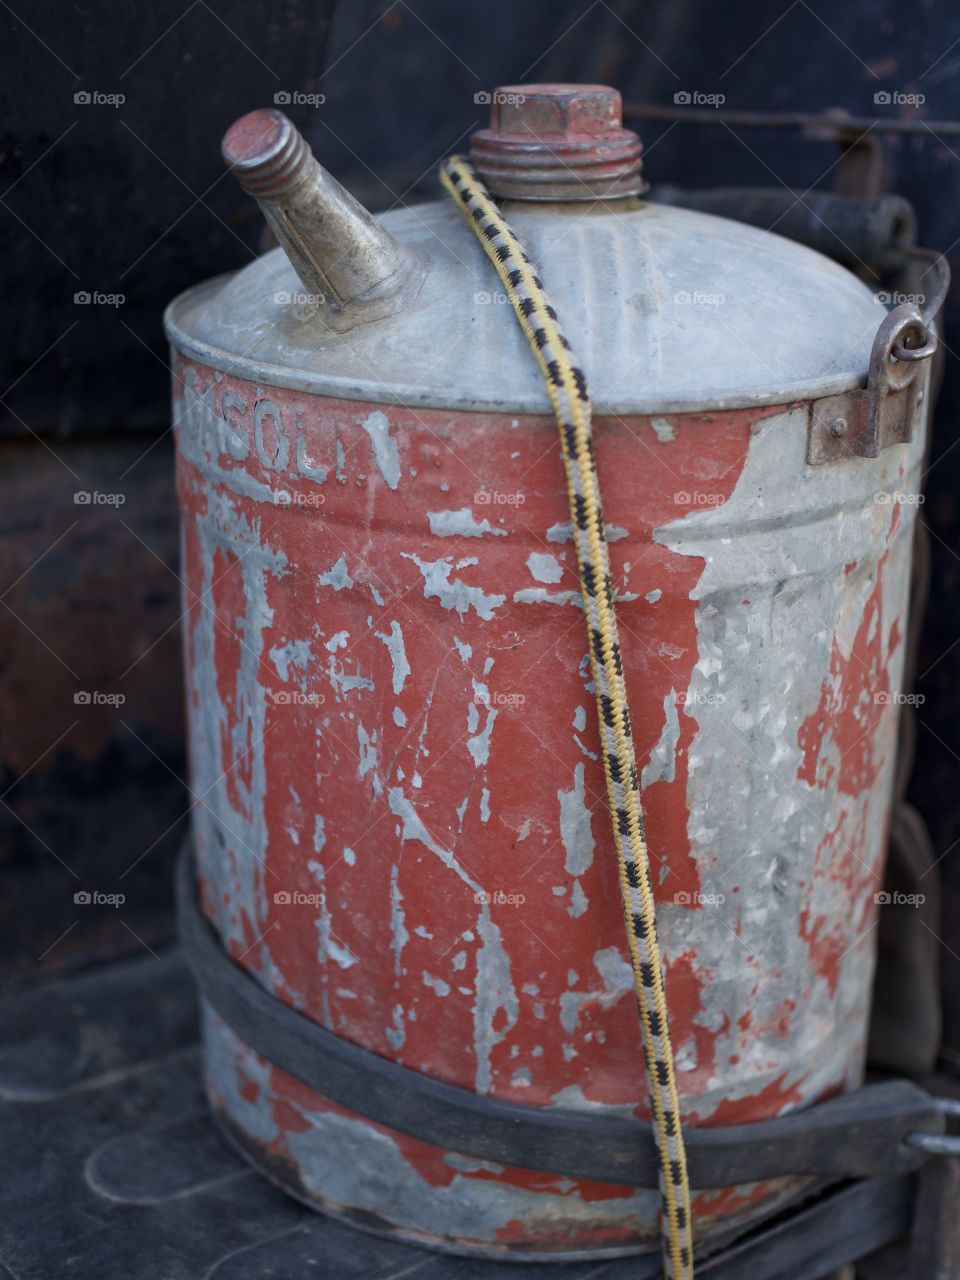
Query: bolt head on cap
{"type": "Point", "coordinates": [549, 110]}
{"type": "Point", "coordinates": [266, 153]}
{"type": "Point", "coordinates": [558, 142]}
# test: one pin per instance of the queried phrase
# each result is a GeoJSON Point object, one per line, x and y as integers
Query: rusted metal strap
{"type": "Point", "coordinates": [850, 1136]}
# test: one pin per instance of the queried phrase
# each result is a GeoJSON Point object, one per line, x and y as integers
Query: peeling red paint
{"type": "Point", "coordinates": [309, 706]}
{"type": "Point", "coordinates": [853, 700]}
{"type": "Point", "coordinates": [660, 648]}
{"type": "Point", "coordinates": [685, 987]}
{"type": "Point", "coordinates": [771, 1101]}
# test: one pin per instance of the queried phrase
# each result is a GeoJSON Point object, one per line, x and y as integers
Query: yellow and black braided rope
{"type": "Point", "coordinates": [568, 393]}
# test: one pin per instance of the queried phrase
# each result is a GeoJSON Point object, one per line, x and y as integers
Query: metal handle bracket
{"type": "Point", "coordinates": [860, 424]}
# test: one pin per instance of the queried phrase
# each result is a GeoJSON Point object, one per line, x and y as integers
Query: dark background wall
{"type": "Point", "coordinates": [121, 194]}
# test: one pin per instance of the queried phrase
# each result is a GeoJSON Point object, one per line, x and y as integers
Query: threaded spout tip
{"type": "Point", "coordinates": [266, 153]}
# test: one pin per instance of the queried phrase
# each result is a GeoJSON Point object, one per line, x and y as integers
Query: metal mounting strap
{"type": "Point", "coordinates": [850, 1136]}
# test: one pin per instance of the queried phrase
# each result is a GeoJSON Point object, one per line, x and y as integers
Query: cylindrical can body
{"type": "Point", "coordinates": [401, 825]}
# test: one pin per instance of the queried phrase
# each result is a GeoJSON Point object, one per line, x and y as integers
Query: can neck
{"type": "Point", "coordinates": [512, 205]}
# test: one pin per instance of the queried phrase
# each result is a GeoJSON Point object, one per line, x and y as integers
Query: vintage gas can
{"type": "Point", "coordinates": [400, 826]}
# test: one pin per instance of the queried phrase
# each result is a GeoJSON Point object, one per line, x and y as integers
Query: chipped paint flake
{"type": "Point", "coordinates": [294, 653]}
{"type": "Point", "coordinates": [579, 902]}
{"type": "Point", "coordinates": [397, 1034]}
{"type": "Point", "coordinates": [319, 834]}
{"type": "Point", "coordinates": [614, 969]}
{"type": "Point", "coordinates": [398, 654]}
{"type": "Point", "coordinates": [461, 523]}
{"type": "Point", "coordinates": [329, 948]}
{"type": "Point", "coordinates": [338, 576]}
{"type": "Point", "coordinates": [385, 451]}
{"type": "Point", "coordinates": [479, 744]}
{"type": "Point", "coordinates": [436, 984]}
{"type": "Point", "coordinates": [662, 765]}
{"type": "Point", "coordinates": [343, 682]}
{"type": "Point", "coordinates": [454, 593]}
{"type": "Point", "coordinates": [398, 932]}
{"type": "Point", "coordinates": [495, 993]}
{"type": "Point", "coordinates": [576, 832]}
{"type": "Point", "coordinates": [544, 567]}
{"type": "Point", "coordinates": [367, 751]}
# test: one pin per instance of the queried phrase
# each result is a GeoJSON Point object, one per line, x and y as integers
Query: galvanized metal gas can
{"type": "Point", "coordinates": [400, 827]}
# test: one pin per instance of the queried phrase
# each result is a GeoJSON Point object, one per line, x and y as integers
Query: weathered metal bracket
{"type": "Point", "coordinates": [860, 424]}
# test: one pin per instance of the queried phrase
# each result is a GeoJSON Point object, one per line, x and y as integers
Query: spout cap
{"type": "Point", "coordinates": [558, 142]}
{"type": "Point", "coordinates": [266, 153]}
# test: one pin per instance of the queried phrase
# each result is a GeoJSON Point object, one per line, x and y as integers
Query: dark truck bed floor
{"type": "Point", "coordinates": [112, 1169]}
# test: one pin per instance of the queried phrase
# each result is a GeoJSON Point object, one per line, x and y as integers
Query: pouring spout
{"type": "Point", "coordinates": [352, 267]}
